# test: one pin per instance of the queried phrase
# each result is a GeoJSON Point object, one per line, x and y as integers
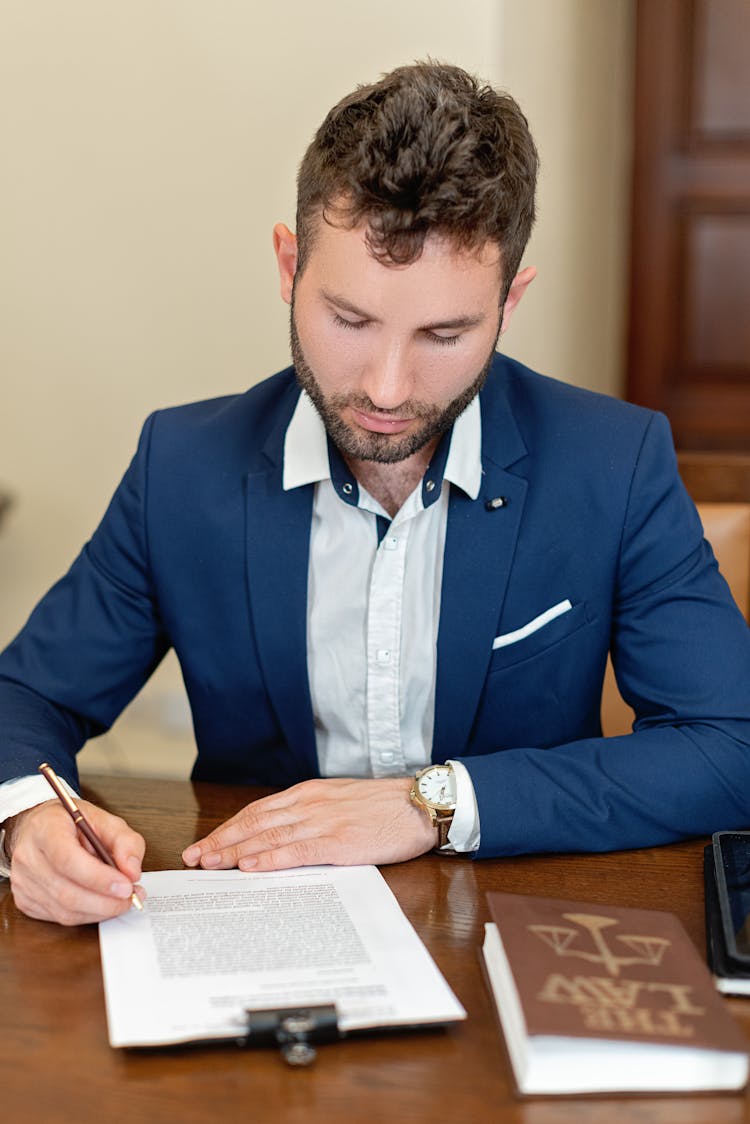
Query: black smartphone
{"type": "Point", "coordinates": [732, 870]}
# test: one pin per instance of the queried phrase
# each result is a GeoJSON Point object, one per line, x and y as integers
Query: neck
{"type": "Point", "coordinates": [392, 484]}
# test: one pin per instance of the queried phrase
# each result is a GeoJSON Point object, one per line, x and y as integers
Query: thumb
{"type": "Point", "coordinates": [126, 846]}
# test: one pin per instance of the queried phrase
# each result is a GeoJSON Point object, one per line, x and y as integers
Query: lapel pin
{"type": "Point", "coordinates": [499, 501]}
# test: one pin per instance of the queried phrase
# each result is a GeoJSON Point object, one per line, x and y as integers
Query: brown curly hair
{"type": "Point", "coordinates": [427, 149]}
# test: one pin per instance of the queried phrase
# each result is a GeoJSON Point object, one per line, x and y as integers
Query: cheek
{"type": "Point", "coordinates": [334, 358]}
{"type": "Point", "coordinates": [444, 376]}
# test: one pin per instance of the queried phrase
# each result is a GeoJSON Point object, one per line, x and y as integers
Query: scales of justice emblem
{"type": "Point", "coordinates": [643, 949]}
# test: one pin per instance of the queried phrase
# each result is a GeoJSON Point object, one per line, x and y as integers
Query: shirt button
{"type": "Point", "coordinates": [383, 655]}
{"type": "Point", "coordinates": [347, 488]}
{"type": "Point", "coordinates": [387, 757]}
{"type": "Point", "coordinates": [390, 542]}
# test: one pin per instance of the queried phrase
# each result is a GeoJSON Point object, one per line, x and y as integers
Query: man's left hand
{"type": "Point", "coordinates": [342, 822]}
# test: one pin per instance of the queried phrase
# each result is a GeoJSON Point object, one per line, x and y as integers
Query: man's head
{"type": "Point", "coordinates": [426, 150]}
{"type": "Point", "coordinates": [416, 199]}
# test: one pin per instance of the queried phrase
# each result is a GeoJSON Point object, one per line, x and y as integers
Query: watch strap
{"type": "Point", "coordinates": [443, 825]}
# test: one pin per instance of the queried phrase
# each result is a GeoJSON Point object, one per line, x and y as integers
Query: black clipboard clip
{"type": "Point", "coordinates": [295, 1030]}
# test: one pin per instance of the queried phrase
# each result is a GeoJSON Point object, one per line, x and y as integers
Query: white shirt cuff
{"type": "Point", "coordinates": [17, 796]}
{"type": "Point", "coordinates": [464, 834]}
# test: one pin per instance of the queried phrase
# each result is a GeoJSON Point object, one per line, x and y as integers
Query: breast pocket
{"type": "Point", "coordinates": [543, 682]}
{"type": "Point", "coordinates": [541, 632]}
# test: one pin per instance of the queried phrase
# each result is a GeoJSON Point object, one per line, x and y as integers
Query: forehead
{"type": "Point", "coordinates": [340, 259]}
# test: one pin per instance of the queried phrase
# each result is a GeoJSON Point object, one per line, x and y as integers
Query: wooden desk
{"type": "Point", "coordinates": [56, 1065]}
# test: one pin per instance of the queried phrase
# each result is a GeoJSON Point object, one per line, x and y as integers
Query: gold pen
{"type": "Point", "coordinates": [81, 822]}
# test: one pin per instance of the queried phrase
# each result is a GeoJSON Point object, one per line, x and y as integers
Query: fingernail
{"type": "Point", "coordinates": [247, 864]}
{"type": "Point", "coordinates": [211, 860]}
{"type": "Point", "coordinates": [191, 855]}
{"type": "Point", "coordinates": [120, 890]}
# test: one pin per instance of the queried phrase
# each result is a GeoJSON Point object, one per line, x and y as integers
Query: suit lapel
{"type": "Point", "coordinates": [479, 549]}
{"type": "Point", "coordinates": [278, 545]}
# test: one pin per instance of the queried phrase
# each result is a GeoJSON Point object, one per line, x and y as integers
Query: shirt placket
{"type": "Point", "coordinates": [384, 622]}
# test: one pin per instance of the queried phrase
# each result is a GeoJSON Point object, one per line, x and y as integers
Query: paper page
{"type": "Point", "coordinates": [208, 944]}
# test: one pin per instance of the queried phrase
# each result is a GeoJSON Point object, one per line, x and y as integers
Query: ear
{"type": "Point", "coordinates": [518, 287]}
{"type": "Point", "coordinates": [285, 248]}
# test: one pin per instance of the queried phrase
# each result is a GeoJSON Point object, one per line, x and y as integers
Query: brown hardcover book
{"type": "Point", "coordinates": [595, 998]}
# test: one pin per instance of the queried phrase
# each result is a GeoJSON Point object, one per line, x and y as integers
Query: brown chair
{"type": "Point", "coordinates": [716, 477]}
{"type": "Point", "coordinates": [727, 528]}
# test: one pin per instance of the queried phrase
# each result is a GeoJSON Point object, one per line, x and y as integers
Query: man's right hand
{"type": "Point", "coordinates": [54, 874]}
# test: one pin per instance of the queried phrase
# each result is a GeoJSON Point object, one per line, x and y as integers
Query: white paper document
{"type": "Point", "coordinates": [208, 944]}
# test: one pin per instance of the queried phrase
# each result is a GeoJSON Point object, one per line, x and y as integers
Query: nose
{"type": "Point", "coordinates": [387, 380]}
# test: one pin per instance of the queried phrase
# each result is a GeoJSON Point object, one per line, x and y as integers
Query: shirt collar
{"type": "Point", "coordinates": [464, 465]}
{"type": "Point", "coordinates": [306, 457]}
{"type": "Point", "coordinates": [305, 446]}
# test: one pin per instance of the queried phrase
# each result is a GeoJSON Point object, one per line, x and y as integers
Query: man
{"type": "Point", "coordinates": [423, 557]}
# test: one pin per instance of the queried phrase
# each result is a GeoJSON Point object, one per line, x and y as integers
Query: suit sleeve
{"type": "Point", "coordinates": [89, 645]}
{"type": "Point", "coordinates": [681, 652]}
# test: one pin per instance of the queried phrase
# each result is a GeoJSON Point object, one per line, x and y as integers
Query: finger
{"type": "Point", "coordinates": [125, 861]}
{"type": "Point", "coordinates": [68, 858]}
{"type": "Point", "coordinates": [46, 892]}
{"type": "Point", "coordinates": [247, 823]}
{"type": "Point", "coordinates": [68, 905]}
{"type": "Point", "coordinates": [128, 851]}
{"type": "Point", "coordinates": [76, 871]}
{"type": "Point", "coordinates": [315, 851]}
{"type": "Point", "coordinates": [128, 864]}
{"type": "Point", "coordinates": [272, 831]}
{"type": "Point", "coordinates": [49, 859]}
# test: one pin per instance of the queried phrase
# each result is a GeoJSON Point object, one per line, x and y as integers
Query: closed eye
{"type": "Point", "coordinates": [442, 341]}
{"type": "Point", "coordinates": [433, 337]}
{"type": "Point", "coordinates": [340, 322]}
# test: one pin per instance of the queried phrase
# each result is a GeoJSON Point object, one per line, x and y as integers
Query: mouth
{"type": "Point", "coordinates": [380, 423]}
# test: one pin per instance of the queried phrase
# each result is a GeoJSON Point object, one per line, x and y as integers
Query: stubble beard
{"type": "Point", "coordinates": [383, 448]}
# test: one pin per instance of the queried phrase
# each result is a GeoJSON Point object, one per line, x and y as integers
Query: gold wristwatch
{"type": "Point", "coordinates": [434, 790]}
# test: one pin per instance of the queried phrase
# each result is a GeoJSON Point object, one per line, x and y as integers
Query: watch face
{"type": "Point", "coordinates": [437, 786]}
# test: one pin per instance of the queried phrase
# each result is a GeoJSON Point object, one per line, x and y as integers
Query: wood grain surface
{"type": "Point", "coordinates": [56, 1063]}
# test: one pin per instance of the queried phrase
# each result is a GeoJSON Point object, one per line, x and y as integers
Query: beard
{"type": "Point", "coordinates": [384, 448]}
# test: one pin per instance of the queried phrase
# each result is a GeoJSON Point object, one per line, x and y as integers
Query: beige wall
{"type": "Point", "coordinates": [148, 148]}
{"type": "Point", "coordinates": [570, 64]}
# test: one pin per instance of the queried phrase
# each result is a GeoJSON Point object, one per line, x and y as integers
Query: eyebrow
{"type": "Point", "coordinates": [453, 323]}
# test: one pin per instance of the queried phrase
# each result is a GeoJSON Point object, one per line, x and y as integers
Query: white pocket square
{"type": "Point", "coordinates": [532, 626]}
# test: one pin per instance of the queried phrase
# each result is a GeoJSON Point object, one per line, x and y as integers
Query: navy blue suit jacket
{"type": "Point", "coordinates": [201, 549]}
